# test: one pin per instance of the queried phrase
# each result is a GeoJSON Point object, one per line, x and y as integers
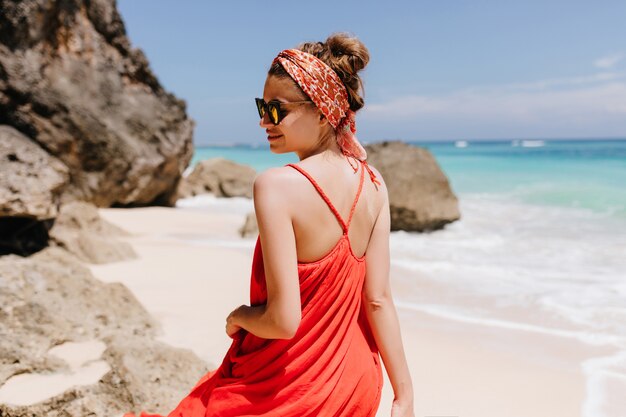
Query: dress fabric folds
{"type": "Point", "coordinates": [331, 367]}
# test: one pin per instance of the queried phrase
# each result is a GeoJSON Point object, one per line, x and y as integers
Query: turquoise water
{"type": "Point", "coordinates": [588, 174]}
{"type": "Point", "coordinates": [259, 158]}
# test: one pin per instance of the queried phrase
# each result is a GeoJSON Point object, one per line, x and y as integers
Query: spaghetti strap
{"type": "Point", "coordinates": [321, 192]}
{"type": "Point", "coordinates": [358, 194]}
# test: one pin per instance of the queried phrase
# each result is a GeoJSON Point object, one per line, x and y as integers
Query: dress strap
{"type": "Point", "coordinates": [358, 193]}
{"type": "Point", "coordinates": [324, 196]}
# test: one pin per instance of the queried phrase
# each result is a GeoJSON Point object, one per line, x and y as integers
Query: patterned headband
{"type": "Point", "coordinates": [322, 84]}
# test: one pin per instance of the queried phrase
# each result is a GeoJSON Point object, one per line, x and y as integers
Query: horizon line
{"type": "Point", "coordinates": [228, 143]}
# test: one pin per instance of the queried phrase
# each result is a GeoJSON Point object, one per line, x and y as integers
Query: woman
{"type": "Point", "coordinates": [320, 309]}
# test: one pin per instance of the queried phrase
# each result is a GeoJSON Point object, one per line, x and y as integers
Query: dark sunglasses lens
{"type": "Point", "coordinates": [260, 107]}
{"type": "Point", "coordinates": [274, 111]}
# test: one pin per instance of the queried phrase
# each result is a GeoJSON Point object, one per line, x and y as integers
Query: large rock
{"type": "Point", "coordinates": [219, 176]}
{"type": "Point", "coordinates": [80, 229]}
{"type": "Point", "coordinates": [31, 183]}
{"type": "Point", "coordinates": [156, 376]}
{"type": "Point", "coordinates": [420, 196]}
{"type": "Point", "coordinates": [50, 297]}
{"type": "Point", "coordinates": [49, 300]}
{"type": "Point", "coordinates": [71, 82]}
{"type": "Point", "coordinates": [143, 374]}
{"type": "Point", "coordinates": [32, 180]}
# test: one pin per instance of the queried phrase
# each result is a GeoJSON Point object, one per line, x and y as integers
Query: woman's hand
{"type": "Point", "coordinates": [231, 321]}
{"type": "Point", "coordinates": [401, 408]}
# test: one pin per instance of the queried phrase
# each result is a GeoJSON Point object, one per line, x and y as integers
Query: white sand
{"type": "Point", "coordinates": [458, 369]}
{"type": "Point", "coordinates": [190, 288]}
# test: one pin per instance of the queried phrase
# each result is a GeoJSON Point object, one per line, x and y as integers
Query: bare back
{"type": "Point", "coordinates": [317, 229]}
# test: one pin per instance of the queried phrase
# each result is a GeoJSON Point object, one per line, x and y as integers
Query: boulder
{"type": "Point", "coordinates": [51, 299]}
{"type": "Point", "coordinates": [154, 375]}
{"type": "Point", "coordinates": [420, 196]}
{"type": "Point", "coordinates": [218, 176]}
{"type": "Point", "coordinates": [31, 184]}
{"type": "Point", "coordinates": [71, 82]}
{"type": "Point", "coordinates": [32, 180]}
{"type": "Point", "coordinates": [80, 229]}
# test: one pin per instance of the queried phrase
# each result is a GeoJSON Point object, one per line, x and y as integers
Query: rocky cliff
{"type": "Point", "coordinates": [71, 83]}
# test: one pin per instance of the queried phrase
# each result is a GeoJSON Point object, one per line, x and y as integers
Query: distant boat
{"type": "Point", "coordinates": [532, 143]}
{"type": "Point", "coordinates": [460, 144]}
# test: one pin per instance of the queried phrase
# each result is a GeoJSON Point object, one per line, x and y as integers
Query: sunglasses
{"type": "Point", "coordinates": [273, 108]}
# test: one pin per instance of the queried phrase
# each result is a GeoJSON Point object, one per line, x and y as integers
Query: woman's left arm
{"type": "Point", "coordinates": [280, 317]}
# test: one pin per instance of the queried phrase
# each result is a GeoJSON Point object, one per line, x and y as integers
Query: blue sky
{"type": "Point", "coordinates": [439, 70]}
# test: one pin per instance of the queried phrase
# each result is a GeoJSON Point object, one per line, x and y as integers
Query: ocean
{"type": "Point", "coordinates": [540, 246]}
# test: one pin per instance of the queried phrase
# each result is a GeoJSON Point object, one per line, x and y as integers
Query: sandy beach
{"type": "Point", "coordinates": [193, 269]}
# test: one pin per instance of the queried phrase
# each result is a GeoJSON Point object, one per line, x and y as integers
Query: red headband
{"type": "Point", "coordinates": [322, 84]}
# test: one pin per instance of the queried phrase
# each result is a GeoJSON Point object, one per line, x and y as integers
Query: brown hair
{"type": "Point", "coordinates": [345, 54]}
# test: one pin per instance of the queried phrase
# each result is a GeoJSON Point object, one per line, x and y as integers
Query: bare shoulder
{"type": "Point", "coordinates": [275, 177]}
{"type": "Point", "coordinates": [379, 176]}
{"type": "Point", "coordinates": [274, 183]}
{"type": "Point", "coordinates": [380, 190]}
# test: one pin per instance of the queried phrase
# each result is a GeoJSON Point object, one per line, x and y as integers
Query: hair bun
{"type": "Point", "coordinates": [346, 55]}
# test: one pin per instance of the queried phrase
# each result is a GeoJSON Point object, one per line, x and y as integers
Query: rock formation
{"type": "Point", "coordinates": [82, 117]}
{"type": "Point", "coordinates": [83, 123]}
{"type": "Point", "coordinates": [71, 83]}
{"type": "Point", "coordinates": [31, 183]}
{"type": "Point", "coordinates": [51, 299]}
{"type": "Point", "coordinates": [32, 180]}
{"type": "Point", "coordinates": [219, 176]}
{"type": "Point", "coordinates": [80, 229]}
{"type": "Point", "coordinates": [420, 196]}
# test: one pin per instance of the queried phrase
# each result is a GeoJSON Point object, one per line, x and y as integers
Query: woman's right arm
{"type": "Point", "coordinates": [380, 309]}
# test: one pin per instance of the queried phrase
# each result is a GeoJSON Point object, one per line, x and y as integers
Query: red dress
{"type": "Point", "coordinates": [331, 367]}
